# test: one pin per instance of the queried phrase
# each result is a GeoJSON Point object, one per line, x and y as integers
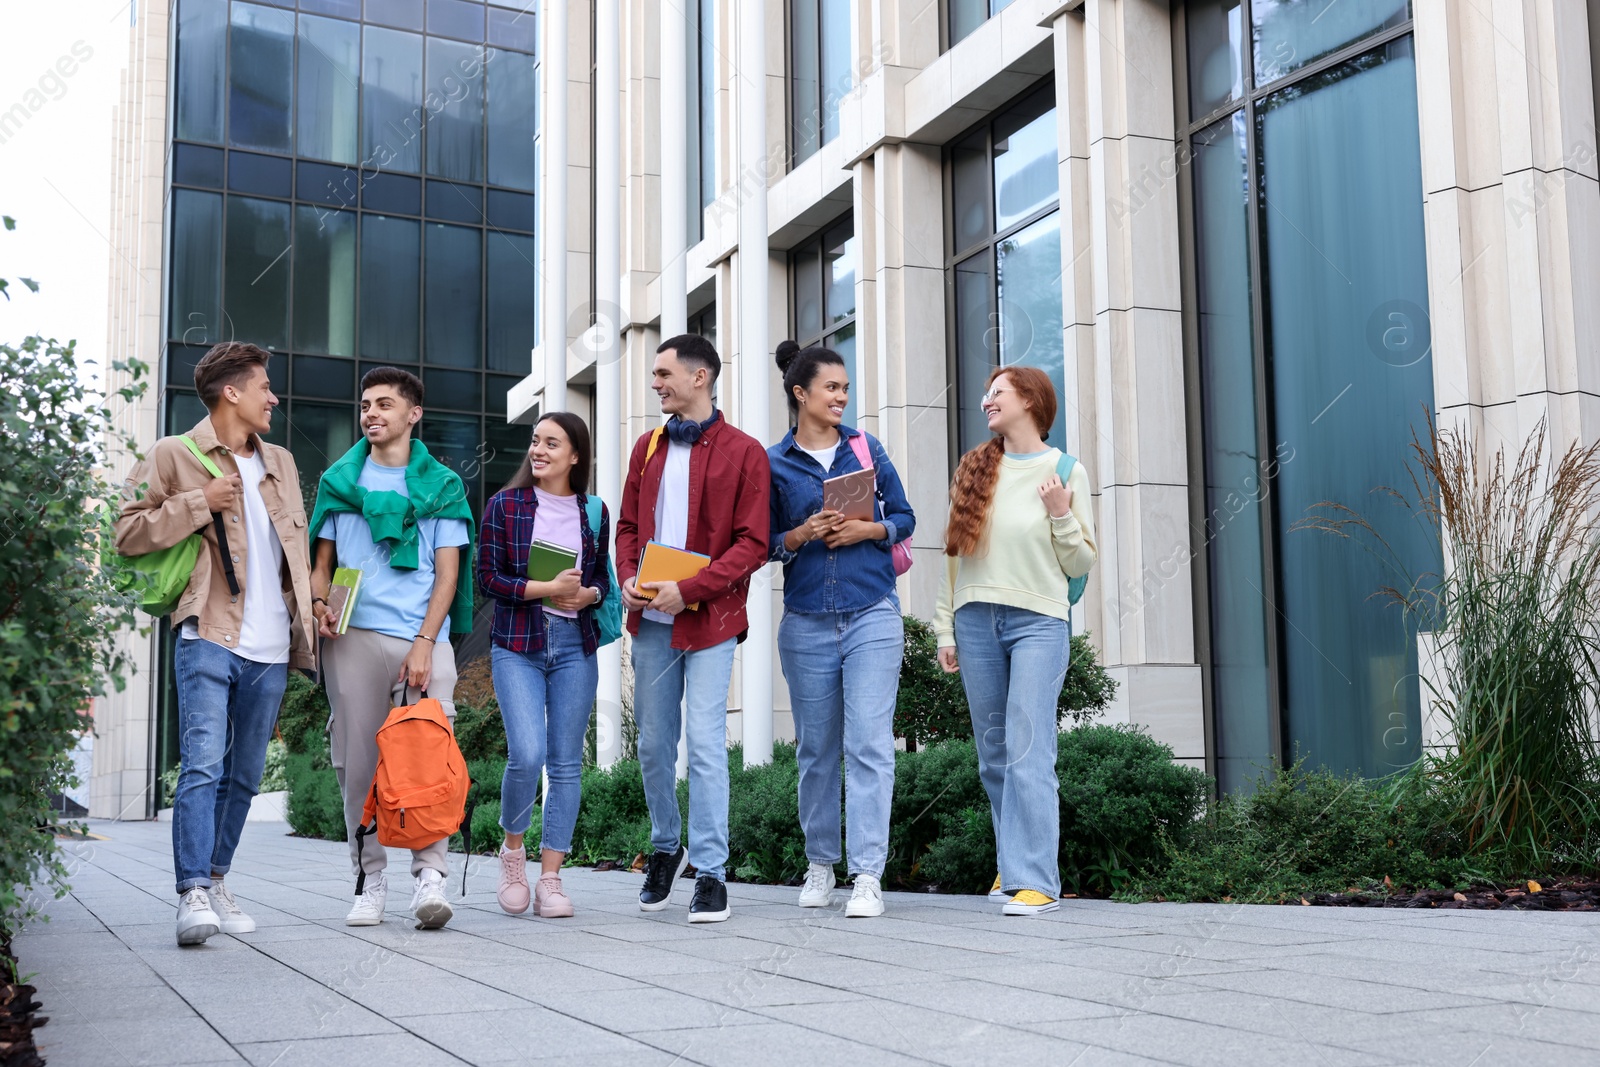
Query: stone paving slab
{"type": "Point", "coordinates": [937, 979]}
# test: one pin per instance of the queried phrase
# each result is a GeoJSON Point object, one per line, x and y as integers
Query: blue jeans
{"type": "Point", "coordinates": [667, 682]}
{"type": "Point", "coordinates": [545, 700]}
{"type": "Point", "coordinates": [1013, 663]}
{"type": "Point", "coordinates": [843, 670]}
{"type": "Point", "coordinates": [227, 707]}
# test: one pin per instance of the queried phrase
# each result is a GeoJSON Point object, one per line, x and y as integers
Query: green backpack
{"type": "Point", "coordinates": [1074, 585]}
{"type": "Point", "coordinates": [159, 578]}
{"type": "Point", "coordinates": [609, 612]}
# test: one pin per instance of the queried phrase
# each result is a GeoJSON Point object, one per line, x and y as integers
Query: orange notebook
{"type": "Point", "coordinates": [663, 563]}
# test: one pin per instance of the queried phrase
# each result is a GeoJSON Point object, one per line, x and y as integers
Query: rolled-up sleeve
{"type": "Point", "coordinates": [496, 577]}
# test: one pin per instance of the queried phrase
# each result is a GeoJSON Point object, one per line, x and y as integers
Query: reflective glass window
{"type": "Point", "coordinates": [1288, 34]}
{"type": "Point", "coordinates": [345, 9]}
{"type": "Point", "coordinates": [1028, 284]}
{"type": "Point", "coordinates": [262, 175]}
{"type": "Point", "coordinates": [255, 295]}
{"type": "Point", "coordinates": [319, 376]}
{"type": "Point", "coordinates": [324, 281]}
{"type": "Point", "coordinates": [202, 47]}
{"type": "Point", "coordinates": [513, 293]}
{"type": "Point", "coordinates": [458, 390]}
{"type": "Point", "coordinates": [1026, 171]}
{"type": "Point", "coordinates": [513, 93]}
{"type": "Point", "coordinates": [452, 284]}
{"type": "Point", "coordinates": [194, 164]}
{"type": "Point", "coordinates": [805, 73]}
{"type": "Point", "coordinates": [969, 180]}
{"type": "Point", "coordinates": [841, 255]}
{"type": "Point", "coordinates": [320, 434]}
{"type": "Point", "coordinates": [967, 15]}
{"type": "Point", "coordinates": [260, 77]}
{"type": "Point", "coordinates": [401, 14]}
{"type": "Point", "coordinates": [391, 256]}
{"type": "Point", "coordinates": [517, 29]}
{"type": "Point", "coordinates": [456, 18]}
{"type": "Point", "coordinates": [976, 336]}
{"type": "Point", "coordinates": [835, 63]}
{"type": "Point", "coordinates": [328, 80]}
{"type": "Point", "coordinates": [512, 211]}
{"type": "Point", "coordinates": [1216, 41]}
{"type": "Point", "coordinates": [391, 99]}
{"type": "Point", "coordinates": [454, 101]}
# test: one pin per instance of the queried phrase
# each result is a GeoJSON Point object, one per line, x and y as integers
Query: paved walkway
{"type": "Point", "coordinates": [938, 979]}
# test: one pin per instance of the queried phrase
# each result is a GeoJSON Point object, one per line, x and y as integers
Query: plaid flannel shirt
{"type": "Point", "coordinates": [503, 546]}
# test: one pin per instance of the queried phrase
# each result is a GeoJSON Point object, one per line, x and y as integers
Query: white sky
{"type": "Point", "coordinates": [55, 170]}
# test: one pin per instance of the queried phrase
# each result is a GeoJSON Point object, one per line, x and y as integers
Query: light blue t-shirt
{"type": "Point", "coordinates": [391, 601]}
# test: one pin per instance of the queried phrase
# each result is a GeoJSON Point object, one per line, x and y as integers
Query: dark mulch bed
{"type": "Point", "coordinates": [17, 1021]}
{"type": "Point", "coordinates": [1565, 894]}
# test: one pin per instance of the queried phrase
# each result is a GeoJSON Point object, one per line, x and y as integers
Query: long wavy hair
{"type": "Point", "coordinates": [578, 433]}
{"type": "Point", "coordinates": [972, 488]}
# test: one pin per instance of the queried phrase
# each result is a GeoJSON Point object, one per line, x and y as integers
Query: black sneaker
{"type": "Point", "coordinates": [661, 870]}
{"type": "Point", "coordinates": [710, 903]}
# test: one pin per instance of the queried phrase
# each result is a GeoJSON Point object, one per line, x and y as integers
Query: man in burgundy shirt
{"type": "Point", "coordinates": [697, 484]}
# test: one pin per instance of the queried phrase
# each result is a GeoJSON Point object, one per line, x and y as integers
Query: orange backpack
{"type": "Point", "coordinates": [419, 792]}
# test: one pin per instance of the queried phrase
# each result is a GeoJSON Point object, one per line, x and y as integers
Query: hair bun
{"type": "Point", "coordinates": [787, 350]}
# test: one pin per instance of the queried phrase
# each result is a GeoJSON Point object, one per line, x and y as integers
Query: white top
{"type": "Point", "coordinates": [264, 625]}
{"type": "Point", "coordinates": [672, 509]}
{"type": "Point", "coordinates": [823, 456]}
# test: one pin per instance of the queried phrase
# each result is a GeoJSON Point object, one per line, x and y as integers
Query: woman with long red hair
{"type": "Point", "coordinates": [1019, 531]}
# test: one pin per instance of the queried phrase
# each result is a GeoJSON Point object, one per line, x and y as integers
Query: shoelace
{"type": "Point", "coordinates": [224, 896]}
{"type": "Point", "coordinates": [655, 867]}
{"type": "Point", "coordinates": [196, 900]}
{"type": "Point", "coordinates": [864, 888]}
{"type": "Point", "coordinates": [816, 880]}
{"type": "Point", "coordinates": [512, 873]}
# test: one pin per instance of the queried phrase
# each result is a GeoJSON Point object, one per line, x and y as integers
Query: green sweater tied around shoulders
{"type": "Point", "coordinates": [436, 493]}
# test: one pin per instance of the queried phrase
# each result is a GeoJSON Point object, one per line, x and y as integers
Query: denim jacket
{"type": "Point", "coordinates": [817, 579]}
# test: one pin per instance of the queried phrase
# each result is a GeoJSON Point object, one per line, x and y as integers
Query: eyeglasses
{"type": "Point", "coordinates": [993, 394]}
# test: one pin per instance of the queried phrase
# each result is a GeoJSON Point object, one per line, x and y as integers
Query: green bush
{"type": "Point", "coordinates": [273, 776]}
{"type": "Point", "coordinates": [303, 716]}
{"type": "Point", "coordinates": [765, 843]}
{"type": "Point", "coordinates": [61, 609]}
{"type": "Point", "coordinates": [932, 705]}
{"type": "Point", "coordinates": [479, 731]}
{"type": "Point", "coordinates": [315, 808]}
{"type": "Point", "coordinates": [613, 820]}
{"type": "Point", "coordinates": [1311, 832]}
{"type": "Point", "coordinates": [931, 788]}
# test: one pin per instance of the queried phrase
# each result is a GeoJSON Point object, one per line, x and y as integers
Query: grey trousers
{"type": "Point", "coordinates": [362, 668]}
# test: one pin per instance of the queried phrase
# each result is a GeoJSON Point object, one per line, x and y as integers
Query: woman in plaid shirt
{"type": "Point", "coordinates": [545, 636]}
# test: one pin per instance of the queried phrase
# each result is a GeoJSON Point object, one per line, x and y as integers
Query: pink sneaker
{"type": "Point", "coordinates": [549, 899]}
{"type": "Point", "coordinates": [513, 891]}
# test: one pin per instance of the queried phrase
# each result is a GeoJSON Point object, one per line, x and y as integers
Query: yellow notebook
{"type": "Point", "coordinates": [663, 563]}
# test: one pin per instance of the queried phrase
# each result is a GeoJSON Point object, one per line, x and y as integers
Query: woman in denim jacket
{"type": "Point", "coordinates": [841, 638]}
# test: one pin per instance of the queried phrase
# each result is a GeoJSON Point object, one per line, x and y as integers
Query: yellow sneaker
{"type": "Point", "coordinates": [996, 894]}
{"type": "Point", "coordinates": [1029, 902]}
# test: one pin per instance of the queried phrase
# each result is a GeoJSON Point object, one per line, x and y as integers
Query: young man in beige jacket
{"type": "Point", "coordinates": [242, 622]}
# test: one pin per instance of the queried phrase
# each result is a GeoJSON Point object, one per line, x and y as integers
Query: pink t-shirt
{"type": "Point", "coordinates": [556, 521]}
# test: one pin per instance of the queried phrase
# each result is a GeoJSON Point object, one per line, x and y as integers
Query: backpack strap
{"type": "Point", "coordinates": [655, 441]}
{"type": "Point", "coordinates": [1075, 586]}
{"type": "Point", "coordinates": [216, 517]}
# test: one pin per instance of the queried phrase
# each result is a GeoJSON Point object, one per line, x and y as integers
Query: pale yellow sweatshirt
{"type": "Point", "coordinates": [1025, 558]}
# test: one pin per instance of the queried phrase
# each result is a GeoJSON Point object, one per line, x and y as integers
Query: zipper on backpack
{"type": "Point", "coordinates": [402, 818]}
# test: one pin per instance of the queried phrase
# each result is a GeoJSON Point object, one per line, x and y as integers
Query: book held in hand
{"type": "Point", "coordinates": [851, 495]}
{"type": "Point", "coordinates": [342, 593]}
{"type": "Point", "coordinates": [663, 563]}
{"type": "Point", "coordinates": [546, 561]}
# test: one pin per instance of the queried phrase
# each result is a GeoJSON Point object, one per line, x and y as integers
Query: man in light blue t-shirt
{"type": "Point", "coordinates": [392, 511]}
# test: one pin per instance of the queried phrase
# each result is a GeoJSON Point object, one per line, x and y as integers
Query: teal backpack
{"type": "Point", "coordinates": [1074, 585]}
{"type": "Point", "coordinates": [609, 612]}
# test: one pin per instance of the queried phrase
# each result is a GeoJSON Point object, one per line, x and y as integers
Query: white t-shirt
{"type": "Point", "coordinates": [672, 509]}
{"type": "Point", "coordinates": [264, 625]}
{"type": "Point", "coordinates": [823, 456]}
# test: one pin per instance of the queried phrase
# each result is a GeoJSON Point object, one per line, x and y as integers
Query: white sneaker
{"type": "Point", "coordinates": [196, 920]}
{"type": "Point", "coordinates": [234, 920]}
{"type": "Point", "coordinates": [818, 890]}
{"type": "Point", "coordinates": [867, 899]}
{"type": "Point", "coordinates": [428, 903]}
{"type": "Point", "coordinates": [368, 908]}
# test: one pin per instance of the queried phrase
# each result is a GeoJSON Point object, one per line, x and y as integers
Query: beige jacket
{"type": "Point", "coordinates": [174, 506]}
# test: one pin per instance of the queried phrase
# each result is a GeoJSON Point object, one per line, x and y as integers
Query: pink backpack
{"type": "Point", "coordinates": [900, 551]}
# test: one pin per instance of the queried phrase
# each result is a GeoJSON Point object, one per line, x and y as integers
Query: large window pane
{"type": "Point", "coordinates": [324, 281]}
{"type": "Point", "coordinates": [255, 296]}
{"type": "Point", "coordinates": [976, 336]}
{"type": "Point", "coordinates": [807, 291]}
{"type": "Point", "coordinates": [1028, 281]}
{"type": "Point", "coordinates": [969, 179]}
{"type": "Point", "coordinates": [841, 256]}
{"type": "Point", "coordinates": [1026, 173]}
{"type": "Point", "coordinates": [1216, 37]}
{"type": "Point", "coordinates": [318, 435]}
{"type": "Point", "coordinates": [202, 36]}
{"type": "Point", "coordinates": [391, 274]}
{"type": "Point", "coordinates": [260, 77]}
{"type": "Point", "coordinates": [513, 287]}
{"type": "Point", "coordinates": [195, 315]}
{"type": "Point", "coordinates": [968, 15]}
{"type": "Point", "coordinates": [844, 343]}
{"type": "Point", "coordinates": [453, 286]}
{"type": "Point", "coordinates": [1236, 480]}
{"type": "Point", "coordinates": [1346, 287]}
{"type": "Point", "coordinates": [706, 109]}
{"type": "Point", "coordinates": [455, 110]}
{"type": "Point", "coordinates": [391, 100]}
{"type": "Point", "coordinates": [1288, 34]}
{"type": "Point", "coordinates": [328, 79]}
{"type": "Point", "coordinates": [457, 442]}
{"type": "Point", "coordinates": [835, 63]}
{"type": "Point", "coordinates": [805, 120]}
{"type": "Point", "coordinates": [513, 84]}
